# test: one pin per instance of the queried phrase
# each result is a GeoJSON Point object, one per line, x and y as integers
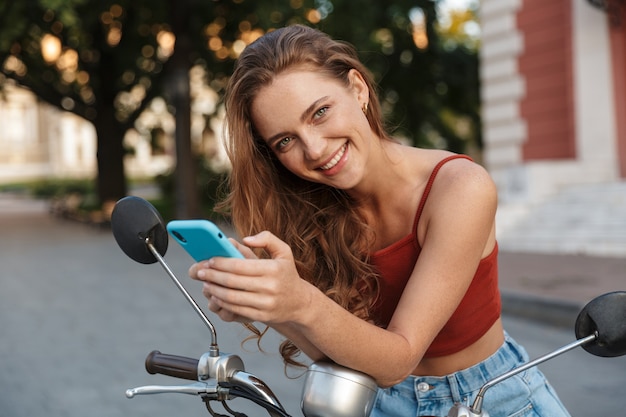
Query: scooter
{"type": "Point", "coordinates": [329, 390]}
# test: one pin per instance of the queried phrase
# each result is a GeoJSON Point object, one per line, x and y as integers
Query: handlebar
{"type": "Point", "coordinates": [172, 365]}
{"type": "Point", "coordinates": [217, 378]}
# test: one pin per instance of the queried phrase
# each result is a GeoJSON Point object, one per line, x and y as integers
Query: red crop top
{"type": "Point", "coordinates": [479, 308]}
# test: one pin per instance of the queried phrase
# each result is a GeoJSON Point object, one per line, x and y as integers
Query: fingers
{"type": "Point", "coordinates": [252, 298]}
{"type": "Point", "coordinates": [242, 274]}
{"type": "Point", "coordinates": [230, 309]}
{"type": "Point", "coordinates": [215, 306]}
{"type": "Point", "coordinates": [235, 274]}
{"type": "Point", "coordinates": [252, 266]}
{"type": "Point", "coordinates": [231, 296]}
{"type": "Point", "coordinates": [250, 289]}
{"type": "Point", "coordinates": [276, 248]}
{"type": "Point", "coordinates": [206, 270]}
{"type": "Point", "coordinates": [245, 251]}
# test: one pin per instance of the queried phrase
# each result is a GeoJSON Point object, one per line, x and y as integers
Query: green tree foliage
{"type": "Point", "coordinates": [460, 43]}
{"type": "Point", "coordinates": [111, 57]}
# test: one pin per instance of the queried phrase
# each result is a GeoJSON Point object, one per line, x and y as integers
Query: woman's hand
{"type": "Point", "coordinates": [264, 290]}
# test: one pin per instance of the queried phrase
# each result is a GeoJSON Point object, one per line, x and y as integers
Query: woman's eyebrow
{"type": "Point", "coordinates": [303, 117]}
{"type": "Point", "coordinates": [312, 108]}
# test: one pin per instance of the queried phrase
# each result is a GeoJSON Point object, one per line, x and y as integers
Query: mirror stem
{"type": "Point", "coordinates": [478, 402]}
{"type": "Point", "coordinates": [213, 350]}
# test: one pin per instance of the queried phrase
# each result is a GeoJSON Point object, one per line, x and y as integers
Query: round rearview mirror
{"type": "Point", "coordinates": [133, 221]}
{"type": "Point", "coordinates": [605, 315]}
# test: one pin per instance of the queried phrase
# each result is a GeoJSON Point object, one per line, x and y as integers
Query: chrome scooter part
{"type": "Point", "coordinates": [210, 388]}
{"type": "Point", "coordinates": [140, 232]}
{"type": "Point", "coordinates": [601, 321]}
{"type": "Point", "coordinates": [255, 386]}
{"type": "Point", "coordinates": [333, 390]}
{"type": "Point", "coordinates": [460, 410]}
{"type": "Point", "coordinates": [213, 348]}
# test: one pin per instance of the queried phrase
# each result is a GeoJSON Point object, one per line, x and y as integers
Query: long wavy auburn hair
{"type": "Point", "coordinates": [328, 236]}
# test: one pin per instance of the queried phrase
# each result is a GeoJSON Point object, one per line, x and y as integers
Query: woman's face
{"type": "Point", "coordinates": [315, 125]}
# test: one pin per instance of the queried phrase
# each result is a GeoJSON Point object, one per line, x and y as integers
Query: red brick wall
{"type": "Point", "coordinates": [546, 65]}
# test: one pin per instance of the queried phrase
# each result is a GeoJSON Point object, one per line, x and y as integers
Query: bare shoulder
{"type": "Point", "coordinates": [458, 169]}
{"type": "Point", "coordinates": [465, 172]}
{"type": "Point", "coordinates": [462, 180]}
{"type": "Point", "coordinates": [460, 175]}
{"type": "Point", "coordinates": [461, 206]}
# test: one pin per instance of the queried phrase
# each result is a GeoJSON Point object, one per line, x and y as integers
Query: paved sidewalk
{"type": "Point", "coordinates": [553, 288]}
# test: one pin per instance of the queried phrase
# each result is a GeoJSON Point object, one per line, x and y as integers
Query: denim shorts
{"type": "Point", "coordinates": [525, 394]}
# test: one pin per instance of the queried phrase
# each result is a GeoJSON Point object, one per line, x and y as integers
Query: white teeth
{"type": "Point", "coordinates": [336, 159]}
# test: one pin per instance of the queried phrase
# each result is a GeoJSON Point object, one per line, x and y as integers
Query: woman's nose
{"type": "Point", "coordinates": [313, 147]}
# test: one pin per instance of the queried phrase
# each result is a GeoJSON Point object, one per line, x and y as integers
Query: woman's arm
{"type": "Point", "coordinates": [458, 225]}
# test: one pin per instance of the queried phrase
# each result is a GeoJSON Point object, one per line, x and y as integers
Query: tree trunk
{"type": "Point", "coordinates": [186, 193]}
{"type": "Point", "coordinates": [111, 180]}
{"type": "Point", "coordinates": [186, 190]}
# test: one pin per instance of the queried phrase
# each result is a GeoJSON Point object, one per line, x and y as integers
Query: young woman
{"type": "Point", "coordinates": [378, 256]}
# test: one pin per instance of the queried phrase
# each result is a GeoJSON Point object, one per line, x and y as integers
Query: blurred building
{"type": "Point", "coordinates": [553, 77]}
{"type": "Point", "coordinates": [39, 141]}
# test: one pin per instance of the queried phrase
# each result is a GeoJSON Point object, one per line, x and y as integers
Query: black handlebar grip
{"type": "Point", "coordinates": [172, 365]}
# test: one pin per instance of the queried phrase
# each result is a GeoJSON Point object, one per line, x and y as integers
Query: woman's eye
{"type": "Point", "coordinates": [321, 112]}
{"type": "Point", "coordinates": [283, 142]}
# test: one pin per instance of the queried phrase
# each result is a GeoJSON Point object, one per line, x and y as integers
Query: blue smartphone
{"type": "Point", "coordinates": [202, 239]}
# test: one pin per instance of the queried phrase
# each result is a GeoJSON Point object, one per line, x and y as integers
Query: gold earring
{"type": "Point", "coordinates": [364, 108]}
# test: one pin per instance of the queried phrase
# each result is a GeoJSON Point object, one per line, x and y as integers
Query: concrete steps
{"type": "Point", "coordinates": [583, 219]}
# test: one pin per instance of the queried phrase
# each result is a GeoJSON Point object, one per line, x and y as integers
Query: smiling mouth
{"type": "Point", "coordinates": [335, 159]}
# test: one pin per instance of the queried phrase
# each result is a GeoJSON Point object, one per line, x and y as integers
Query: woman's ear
{"type": "Point", "coordinates": [359, 86]}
